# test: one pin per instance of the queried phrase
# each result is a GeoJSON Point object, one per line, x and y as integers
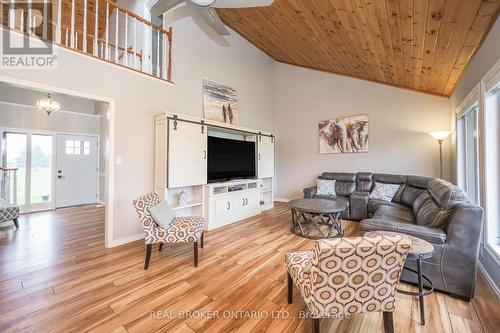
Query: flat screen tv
{"type": "Point", "coordinates": [230, 159]}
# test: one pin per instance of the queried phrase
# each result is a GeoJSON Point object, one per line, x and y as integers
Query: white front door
{"type": "Point", "coordinates": [76, 172]}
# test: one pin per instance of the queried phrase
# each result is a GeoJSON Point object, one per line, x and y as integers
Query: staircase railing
{"type": "Point", "coordinates": [99, 28]}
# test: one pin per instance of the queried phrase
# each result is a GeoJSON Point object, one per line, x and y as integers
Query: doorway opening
{"type": "Point", "coordinates": [59, 159]}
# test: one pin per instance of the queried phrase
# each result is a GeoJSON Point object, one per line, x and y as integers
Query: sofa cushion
{"type": "Point", "coordinates": [326, 187]}
{"type": "Point", "coordinates": [385, 192]}
{"type": "Point", "coordinates": [374, 204]}
{"type": "Point", "coordinates": [391, 179]}
{"type": "Point", "coordinates": [428, 213]}
{"type": "Point", "coordinates": [395, 213]}
{"type": "Point", "coordinates": [418, 181]}
{"type": "Point", "coordinates": [410, 194]}
{"type": "Point", "coordinates": [445, 194]}
{"type": "Point", "coordinates": [364, 181]}
{"type": "Point", "coordinates": [345, 182]}
{"type": "Point", "coordinates": [432, 235]}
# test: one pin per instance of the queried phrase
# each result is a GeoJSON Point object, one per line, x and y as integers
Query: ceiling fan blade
{"type": "Point", "coordinates": [209, 15]}
{"type": "Point", "coordinates": [241, 3]}
{"type": "Point", "coordinates": [164, 5]}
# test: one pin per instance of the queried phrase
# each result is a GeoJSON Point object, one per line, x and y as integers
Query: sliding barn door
{"type": "Point", "coordinates": [265, 146]}
{"type": "Point", "coordinates": [187, 154]}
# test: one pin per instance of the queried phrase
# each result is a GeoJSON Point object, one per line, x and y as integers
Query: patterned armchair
{"type": "Point", "coordinates": [348, 276]}
{"type": "Point", "coordinates": [186, 229]}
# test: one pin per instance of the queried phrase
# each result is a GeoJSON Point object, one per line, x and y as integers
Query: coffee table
{"type": "Point", "coordinates": [420, 249]}
{"type": "Point", "coordinates": [317, 218]}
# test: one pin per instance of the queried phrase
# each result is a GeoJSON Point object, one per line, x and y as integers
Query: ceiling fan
{"type": "Point", "coordinates": [206, 9]}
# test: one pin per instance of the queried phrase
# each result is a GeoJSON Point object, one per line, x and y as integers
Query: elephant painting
{"type": "Point", "coordinates": [344, 135]}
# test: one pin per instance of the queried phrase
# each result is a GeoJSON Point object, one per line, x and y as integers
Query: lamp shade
{"type": "Point", "coordinates": [440, 135]}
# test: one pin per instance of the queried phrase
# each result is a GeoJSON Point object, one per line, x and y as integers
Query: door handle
{"type": "Point", "coordinates": [243, 201]}
{"type": "Point", "coordinates": [228, 205]}
{"type": "Point", "coordinates": [61, 177]}
{"type": "Point", "coordinates": [246, 199]}
{"type": "Point", "coordinates": [259, 156]}
{"type": "Point", "coordinates": [204, 154]}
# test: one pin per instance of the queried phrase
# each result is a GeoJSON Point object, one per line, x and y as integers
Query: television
{"type": "Point", "coordinates": [230, 159]}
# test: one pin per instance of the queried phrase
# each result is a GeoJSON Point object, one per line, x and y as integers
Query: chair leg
{"type": "Point", "coordinates": [149, 248]}
{"type": "Point", "coordinates": [290, 289]}
{"type": "Point", "coordinates": [16, 223]}
{"type": "Point", "coordinates": [388, 323]}
{"type": "Point", "coordinates": [315, 325]}
{"type": "Point", "coordinates": [202, 239]}
{"type": "Point", "coordinates": [160, 247]}
{"type": "Point", "coordinates": [195, 254]}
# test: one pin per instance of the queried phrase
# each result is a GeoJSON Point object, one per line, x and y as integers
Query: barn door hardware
{"type": "Point", "coordinates": [175, 122]}
{"type": "Point", "coordinates": [202, 126]}
{"type": "Point", "coordinates": [272, 138]}
{"type": "Point", "coordinates": [260, 136]}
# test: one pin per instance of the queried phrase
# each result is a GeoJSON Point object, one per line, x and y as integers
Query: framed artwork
{"type": "Point", "coordinates": [344, 135]}
{"type": "Point", "coordinates": [220, 103]}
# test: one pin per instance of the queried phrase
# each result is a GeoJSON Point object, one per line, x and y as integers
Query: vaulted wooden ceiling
{"type": "Point", "coordinates": [423, 45]}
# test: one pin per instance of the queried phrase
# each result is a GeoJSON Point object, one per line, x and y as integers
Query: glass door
{"type": "Point", "coordinates": [32, 154]}
{"type": "Point", "coordinates": [41, 177]}
{"type": "Point", "coordinates": [14, 155]}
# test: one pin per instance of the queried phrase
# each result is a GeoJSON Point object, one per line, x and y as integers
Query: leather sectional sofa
{"type": "Point", "coordinates": [428, 208]}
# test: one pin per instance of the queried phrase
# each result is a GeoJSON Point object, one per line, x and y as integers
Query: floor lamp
{"type": "Point", "coordinates": [440, 136]}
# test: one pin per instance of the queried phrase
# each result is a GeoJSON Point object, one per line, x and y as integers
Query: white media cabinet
{"type": "Point", "coordinates": [181, 165]}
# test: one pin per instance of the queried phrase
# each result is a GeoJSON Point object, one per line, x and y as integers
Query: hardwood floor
{"type": "Point", "coordinates": [57, 276]}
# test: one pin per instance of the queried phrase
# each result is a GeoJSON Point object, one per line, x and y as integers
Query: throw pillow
{"type": "Point", "coordinates": [326, 187]}
{"type": "Point", "coordinates": [384, 192]}
{"type": "Point", "coordinates": [162, 214]}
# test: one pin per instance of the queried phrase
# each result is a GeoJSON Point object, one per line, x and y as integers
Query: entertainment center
{"type": "Point", "coordinates": [226, 172]}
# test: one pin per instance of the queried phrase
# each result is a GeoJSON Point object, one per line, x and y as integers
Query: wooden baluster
{"type": "Point", "coordinates": [45, 28]}
{"type": "Point", "coordinates": [96, 29]}
{"type": "Point", "coordinates": [12, 15]}
{"type": "Point", "coordinates": [76, 40]}
{"type": "Point", "coordinates": [169, 70]}
{"type": "Point", "coordinates": [84, 37]}
{"type": "Point", "coordinates": [106, 49]}
{"type": "Point", "coordinates": [29, 23]}
{"type": "Point", "coordinates": [116, 35]}
{"type": "Point", "coordinates": [58, 24]}
{"type": "Point", "coordinates": [126, 39]}
{"type": "Point", "coordinates": [22, 21]}
{"type": "Point", "coordinates": [135, 41]}
{"type": "Point", "coordinates": [72, 35]}
{"type": "Point", "coordinates": [158, 53]}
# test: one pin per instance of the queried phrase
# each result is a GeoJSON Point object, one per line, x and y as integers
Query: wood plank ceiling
{"type": "Point", "coordinates": [423, 45]}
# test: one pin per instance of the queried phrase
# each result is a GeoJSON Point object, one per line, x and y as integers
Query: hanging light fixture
{"type": "Point", "coordinates": [48, 105]}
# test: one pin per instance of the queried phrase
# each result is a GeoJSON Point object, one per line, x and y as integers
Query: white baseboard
{"type": "Point", "coordinates": [488, 278]}
{"type": "Point", "coordinates": [282, 199]}
{"type": "Point", "coordinates": [128, 239]}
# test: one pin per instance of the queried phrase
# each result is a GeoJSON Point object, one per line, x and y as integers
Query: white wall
{"type": "Point", "coordinates": [17, 112]}
{"type": "Point", "coordinates": [137, 98]}
{"type": "Point", "coordinates": [399, 122]}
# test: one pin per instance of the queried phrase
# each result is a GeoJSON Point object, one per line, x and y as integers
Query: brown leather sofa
{"type": "Point", "coordinates": [428, 208]}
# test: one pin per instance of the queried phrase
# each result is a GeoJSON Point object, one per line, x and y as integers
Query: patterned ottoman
{"type": "Point", "coordinates": [9, 213]}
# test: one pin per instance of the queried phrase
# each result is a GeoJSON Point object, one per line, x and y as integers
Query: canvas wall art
{"type": "Point", "coordinates": [344, 135]}
{"type": "Point", "coordinates": [220, 103]}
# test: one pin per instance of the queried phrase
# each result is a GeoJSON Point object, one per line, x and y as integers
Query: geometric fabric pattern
{"type": "Point", "coordinates": [8, 213]}
{"type": "Point", "coordinates": [349, 275]}
{"type": "Point", "coordinates": [326, 187]}
{"type": "Point", "coordinates": [185, 229]}
{"type": "Point", "coordinates": [384, 192]}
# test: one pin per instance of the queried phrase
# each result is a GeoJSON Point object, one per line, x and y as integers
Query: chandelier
{"type": "Point", "coordinates": [48, 105]}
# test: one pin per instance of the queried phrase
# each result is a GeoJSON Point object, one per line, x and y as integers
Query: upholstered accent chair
{"type": "Point", "coordinates": [9, 213]}
{"type": "Point", "coordinates": [185, 229]}
{"type": "Point", "coordinates": [349, 276]}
